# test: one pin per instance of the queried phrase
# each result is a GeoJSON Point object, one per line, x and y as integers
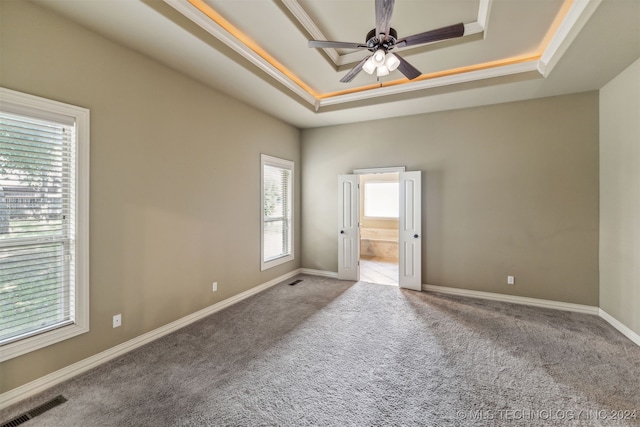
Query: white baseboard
{"type": "Point", "coordinates": [312, 272]}
{"type": "Point", "coordinates": [20, 393]}
{"type": "Point", "coordinates": [566, 306]}
{"type": "Point", "coordinates": [624, 330]}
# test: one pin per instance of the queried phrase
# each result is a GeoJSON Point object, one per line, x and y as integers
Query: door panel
{"type": "Point", "coordinates": [348, 230]}
{"type": "Point", "coordinates": [410, 235]}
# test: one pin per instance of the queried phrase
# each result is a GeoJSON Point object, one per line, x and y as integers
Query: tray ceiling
{"type": "Point", "coordinates": [501, 38]}
{"type": "Point", "coordinates": [257, 50]}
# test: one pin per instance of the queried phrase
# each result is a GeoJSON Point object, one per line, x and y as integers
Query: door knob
{"type": "Point", "coordinates": [341, 231]}
{"type": "Point", "coordinates": [415, 236]}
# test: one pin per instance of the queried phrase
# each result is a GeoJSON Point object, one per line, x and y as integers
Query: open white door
{"type": "Point", "coordinates": [348, 231]}
{"type": "Point", "coordinates": [410, 236]}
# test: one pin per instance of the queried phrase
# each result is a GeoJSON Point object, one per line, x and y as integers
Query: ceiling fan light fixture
{"type": "Point", "coordinates": [382, 71]}
{"type": "Point", "coordinates": [392, 62]}
{"type": "Point", "coordinates": [378, 58]}
{"type": "Point", "coordinates": [369, 67]}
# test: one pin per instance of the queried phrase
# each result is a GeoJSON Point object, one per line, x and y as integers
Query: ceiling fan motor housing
{"type": "Point", "coordinates": [373, 43]}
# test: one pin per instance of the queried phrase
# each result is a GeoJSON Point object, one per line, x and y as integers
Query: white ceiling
{"type": "Point", "coordinates": [256, 50]}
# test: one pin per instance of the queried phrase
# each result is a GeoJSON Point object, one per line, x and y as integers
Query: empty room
{"type": "Point", "coordinates": [310, 212]}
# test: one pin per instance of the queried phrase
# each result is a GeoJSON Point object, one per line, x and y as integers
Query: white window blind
{"type": "Point", "coordinates": [36, 236]}
{"type": "Point", "coordinates": [39, 292]}
{"type": "Point", "coordinates": [277, 228]}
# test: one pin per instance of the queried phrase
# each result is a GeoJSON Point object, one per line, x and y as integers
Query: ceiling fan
{"type": "Point", "coordinates": [382, 39]}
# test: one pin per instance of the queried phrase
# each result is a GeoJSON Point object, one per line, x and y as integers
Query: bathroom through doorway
{"type": "Point", "coordinates": [379, 228]}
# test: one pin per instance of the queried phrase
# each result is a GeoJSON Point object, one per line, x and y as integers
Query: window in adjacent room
{"type": "Point", "coordinates": [44, 222]}
{"type": "Point", "coordinates": [277, 211]}
{"type": "Point", "coordinates": [381, 199]}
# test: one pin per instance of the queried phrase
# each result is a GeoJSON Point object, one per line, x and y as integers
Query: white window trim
{"type": "Point", "coordinates": [281, 163]}
{"type": "Point", "coordinates": [22, 103]}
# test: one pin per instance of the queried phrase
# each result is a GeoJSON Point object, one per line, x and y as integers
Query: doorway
{"type": "Point", "coordinates": [379, 228]}
{"type": "Point", "coordinates": [409, 226]}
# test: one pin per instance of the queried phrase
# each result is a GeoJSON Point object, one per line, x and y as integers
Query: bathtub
{"type": "Point", "coordinates": [379, 243]}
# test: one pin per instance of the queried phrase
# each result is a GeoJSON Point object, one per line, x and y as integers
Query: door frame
{"type": "Point", "coordinates": [371, 171]}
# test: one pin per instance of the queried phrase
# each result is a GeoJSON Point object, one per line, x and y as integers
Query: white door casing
{"type": "Point", "coordinates": [410, 233]}
{"type": "Point", "coordinates": [348, 230]}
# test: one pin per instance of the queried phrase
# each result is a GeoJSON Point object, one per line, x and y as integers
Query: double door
{"type": "Point", "coordinates": [409, 236]}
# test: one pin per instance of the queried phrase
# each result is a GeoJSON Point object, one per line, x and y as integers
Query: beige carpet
{"type": "Point", "coordinates": [332, 353]}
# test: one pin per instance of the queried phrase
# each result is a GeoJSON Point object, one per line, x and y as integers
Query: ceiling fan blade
{"type": "Point", "coordinates": [336, 45]}
{"type": "Point", "coordinates": [384, 10]}
{"type": "Point", "coordinates": [354, 71]}
{"type": "Point", "coordinates": [407, 69]}
{"type": "Point", "coordinates": [443, 33]}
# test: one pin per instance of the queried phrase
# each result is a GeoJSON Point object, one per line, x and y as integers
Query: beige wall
{"type": "Point", "coordinates": [620, 197]}
{"type": "Point", "coordinates": [175, 181]}
{"type": "Point", "coordinates": [509, 189]}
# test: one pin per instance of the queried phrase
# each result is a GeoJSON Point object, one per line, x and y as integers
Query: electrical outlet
{"type": "Point", "coordinates": [511, 280]}
{"type": "Point", "coordinates": [117, 320]}
{"type": "Point", "coordinates": [214, 287]}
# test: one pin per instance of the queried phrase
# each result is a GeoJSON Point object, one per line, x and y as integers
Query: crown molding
{"type": "Point", "coordinates": [429, 83]}
{"type": "Point", "coordinates": [216, 30]}
{"type": "Point", "coordinates": [575, 19]}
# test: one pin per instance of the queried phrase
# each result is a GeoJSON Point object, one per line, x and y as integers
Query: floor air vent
{"type": "Point", "coordinates": [38, 410]}
{"type": "Point", "coordinates": [290, 284]}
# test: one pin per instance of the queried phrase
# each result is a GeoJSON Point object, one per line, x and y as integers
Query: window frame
{"type": "Point", "coordinates": [42, 108]}
{"type": "Point", "coordinates": [266, 160]}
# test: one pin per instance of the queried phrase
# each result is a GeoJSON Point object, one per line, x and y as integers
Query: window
{"type": "Point", "coordinates": [44, 233]}
{"type": "Point", "coordinates": [381, 200]}
{"type": "Point", "coordinates": [277, 211]}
